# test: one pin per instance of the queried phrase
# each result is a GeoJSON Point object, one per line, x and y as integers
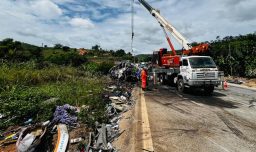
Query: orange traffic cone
{"type": "Point", "coordinates": [225, 85]}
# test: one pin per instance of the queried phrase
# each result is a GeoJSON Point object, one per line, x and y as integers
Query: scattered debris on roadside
{"type": "Point", "coordinates": [66, 115]}
{"type": "Point", "coordinates": [30, 137]}
{"type": "Point", "coordinates": [235, 81]}
{"type": "Point", "coordinates": [248, 82]}
{"type": "Point", "coordinates": [9, 137]}
{"type": "Point", "coordinates": [66, 133]}
{"type": "Point", "coordinates": [119, 101]}
{"type": "Point", "coordinates": [63, 138]}
{"type": "Point", "coordinates": [126, 71]}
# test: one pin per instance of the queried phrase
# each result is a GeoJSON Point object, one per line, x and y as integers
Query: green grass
{"type": "Point", "coordinates": [25, 87]}
{"type": "Point", "coordinates": [47, 52]}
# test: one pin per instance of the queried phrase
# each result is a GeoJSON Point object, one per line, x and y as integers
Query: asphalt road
{"type": "Point", "coordinates": [225, 121]}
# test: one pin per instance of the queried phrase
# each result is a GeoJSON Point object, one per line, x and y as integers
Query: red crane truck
{"type": "Point", "coordinates": [188, 70]}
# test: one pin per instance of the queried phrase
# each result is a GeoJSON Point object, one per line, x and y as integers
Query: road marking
{"type": "Point", "coordinates": [223, 148]}
{"type": "Point", "coordinates": [146, 133]}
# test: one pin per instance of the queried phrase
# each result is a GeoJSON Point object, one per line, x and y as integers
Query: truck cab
{"type": "Point", "coordinates": [198, 71]}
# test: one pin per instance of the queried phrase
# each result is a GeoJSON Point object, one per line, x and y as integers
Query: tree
{"type": "Point", "coordinates": [36, 53]}
{"type": "Point", "coordinates": [96, 47]}
{"type": "Point", "coordinates": [7, 41]}
{"type": "Point", "coordinates": [144, 58]}
{"type": "Point", "coordinates": [58, 46]}
{"type": "Point", "coordinates": [243, 56]}
{"type": "Point", "coordinates": [217, 38]}
{"type": "Point", "coordinates": [3, 51]}
{"type": "Point", "coordinates": [65, 48]}
{"type": "Point", "coordinates": [16, 52]}
{"type": "Point", "coordinates": [129, 54]}
{"type": "Point", "coordinates": [194, 44]}
{"type": "Point", "coordinates": [70, 58]}
{"type": "Point", "coordinates": [120, 53]}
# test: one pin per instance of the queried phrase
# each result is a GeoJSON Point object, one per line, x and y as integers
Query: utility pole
{"type": "Point", "coordinates": [230, 59]}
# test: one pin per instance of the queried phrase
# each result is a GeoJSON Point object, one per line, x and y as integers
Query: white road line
{"type": "Point", "coordinates": [146, 133]}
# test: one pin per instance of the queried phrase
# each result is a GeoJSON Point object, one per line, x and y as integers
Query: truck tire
{"type": "Point", "coordinates": [162, 79]}
{"type": "Point", "coordinates": [171, 80]}
{"type": "Point", "coordinates": [180, 85]}
{"type": "Point", "coordinates": [208, 90]}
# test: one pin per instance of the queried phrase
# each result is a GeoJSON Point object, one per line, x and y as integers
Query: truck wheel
{"type": "Point", "coordinates": [171, 81]}
{"type": "Point", "coordinates": [180, 85]}
{"type": "Point", "coordinates": [162, 79]}
{"type": "Point", "coordinates": [208, 90]}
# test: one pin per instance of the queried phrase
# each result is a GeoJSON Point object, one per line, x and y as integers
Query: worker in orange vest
{"type": "Point", "coordinates": [143, 76]}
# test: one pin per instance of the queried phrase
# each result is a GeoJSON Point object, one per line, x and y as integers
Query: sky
{"type": "Point", "coordinates": [85, 23]}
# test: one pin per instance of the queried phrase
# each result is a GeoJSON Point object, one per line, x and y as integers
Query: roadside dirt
{"type": "Point", "coordinates": [8, 148]}
{"type": "Point", "coordinates": [250, 83]}
{"type": "Point", "coordinates": [246, 82]}
{"type": "Point", "coordinates": [126, 142]}
{"type": "Point", "coordinates": [79, 132]}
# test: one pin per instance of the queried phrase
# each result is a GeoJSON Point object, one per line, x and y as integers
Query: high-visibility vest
{"type": "Point", "coordinates": [143, 75]}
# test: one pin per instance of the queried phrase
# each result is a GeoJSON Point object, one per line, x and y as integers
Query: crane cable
{"type": "Point", "coordinates": [132, 23]}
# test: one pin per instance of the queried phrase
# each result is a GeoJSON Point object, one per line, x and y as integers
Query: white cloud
{"type": "Point", "coordinates": [52, 21]}
{"type": "Point", "coordinates": [80, 22]}
{"type": "Point", "coordinates": [46, 9]}
{"type": "Point", "coordinates": [63, 1]}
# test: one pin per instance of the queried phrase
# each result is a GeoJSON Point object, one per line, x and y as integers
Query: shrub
{"type": "Point", "coordinates": [101, 68]}
{"type": "Point", "coordinates": [104, 67]}
{"type": "Point", "coordinates": [21, 103]}
{"type": "Point", "coordinates": [95, 111]}
{"type": "Point", "coordinates": [24, 88]}
{"type": "Point", "coordinates": [91, 67]}
{"type": "Point", "coordinates": [71, 58]}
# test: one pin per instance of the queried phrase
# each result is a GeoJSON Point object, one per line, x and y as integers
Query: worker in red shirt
{"type": "Point", "coordinates": [143, 76]}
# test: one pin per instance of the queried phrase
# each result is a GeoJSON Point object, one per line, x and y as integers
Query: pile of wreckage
{"type": "Point", "coordinates": [55, 135]}
{"type": "Point", "coordinates": [125, 71]}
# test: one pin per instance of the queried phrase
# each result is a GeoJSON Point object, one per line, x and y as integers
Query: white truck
{"type": "Point", "coordinates": [193, 72]}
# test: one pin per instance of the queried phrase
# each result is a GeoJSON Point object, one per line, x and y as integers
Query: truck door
{"type": "Point", "coordinates": [184, 69]}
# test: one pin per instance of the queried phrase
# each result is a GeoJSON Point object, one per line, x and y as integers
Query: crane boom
{"type": "Point", "coordinates": [187, 49]}
{"type": "Point", "coordinates": [164, 23]}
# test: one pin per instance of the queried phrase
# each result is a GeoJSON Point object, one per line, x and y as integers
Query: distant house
{"type": "Point", "coordinates": [82, 51]}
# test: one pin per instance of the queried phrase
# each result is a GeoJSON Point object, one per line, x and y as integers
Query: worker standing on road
{"type": "Point", "coordinates": [143, 78]}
